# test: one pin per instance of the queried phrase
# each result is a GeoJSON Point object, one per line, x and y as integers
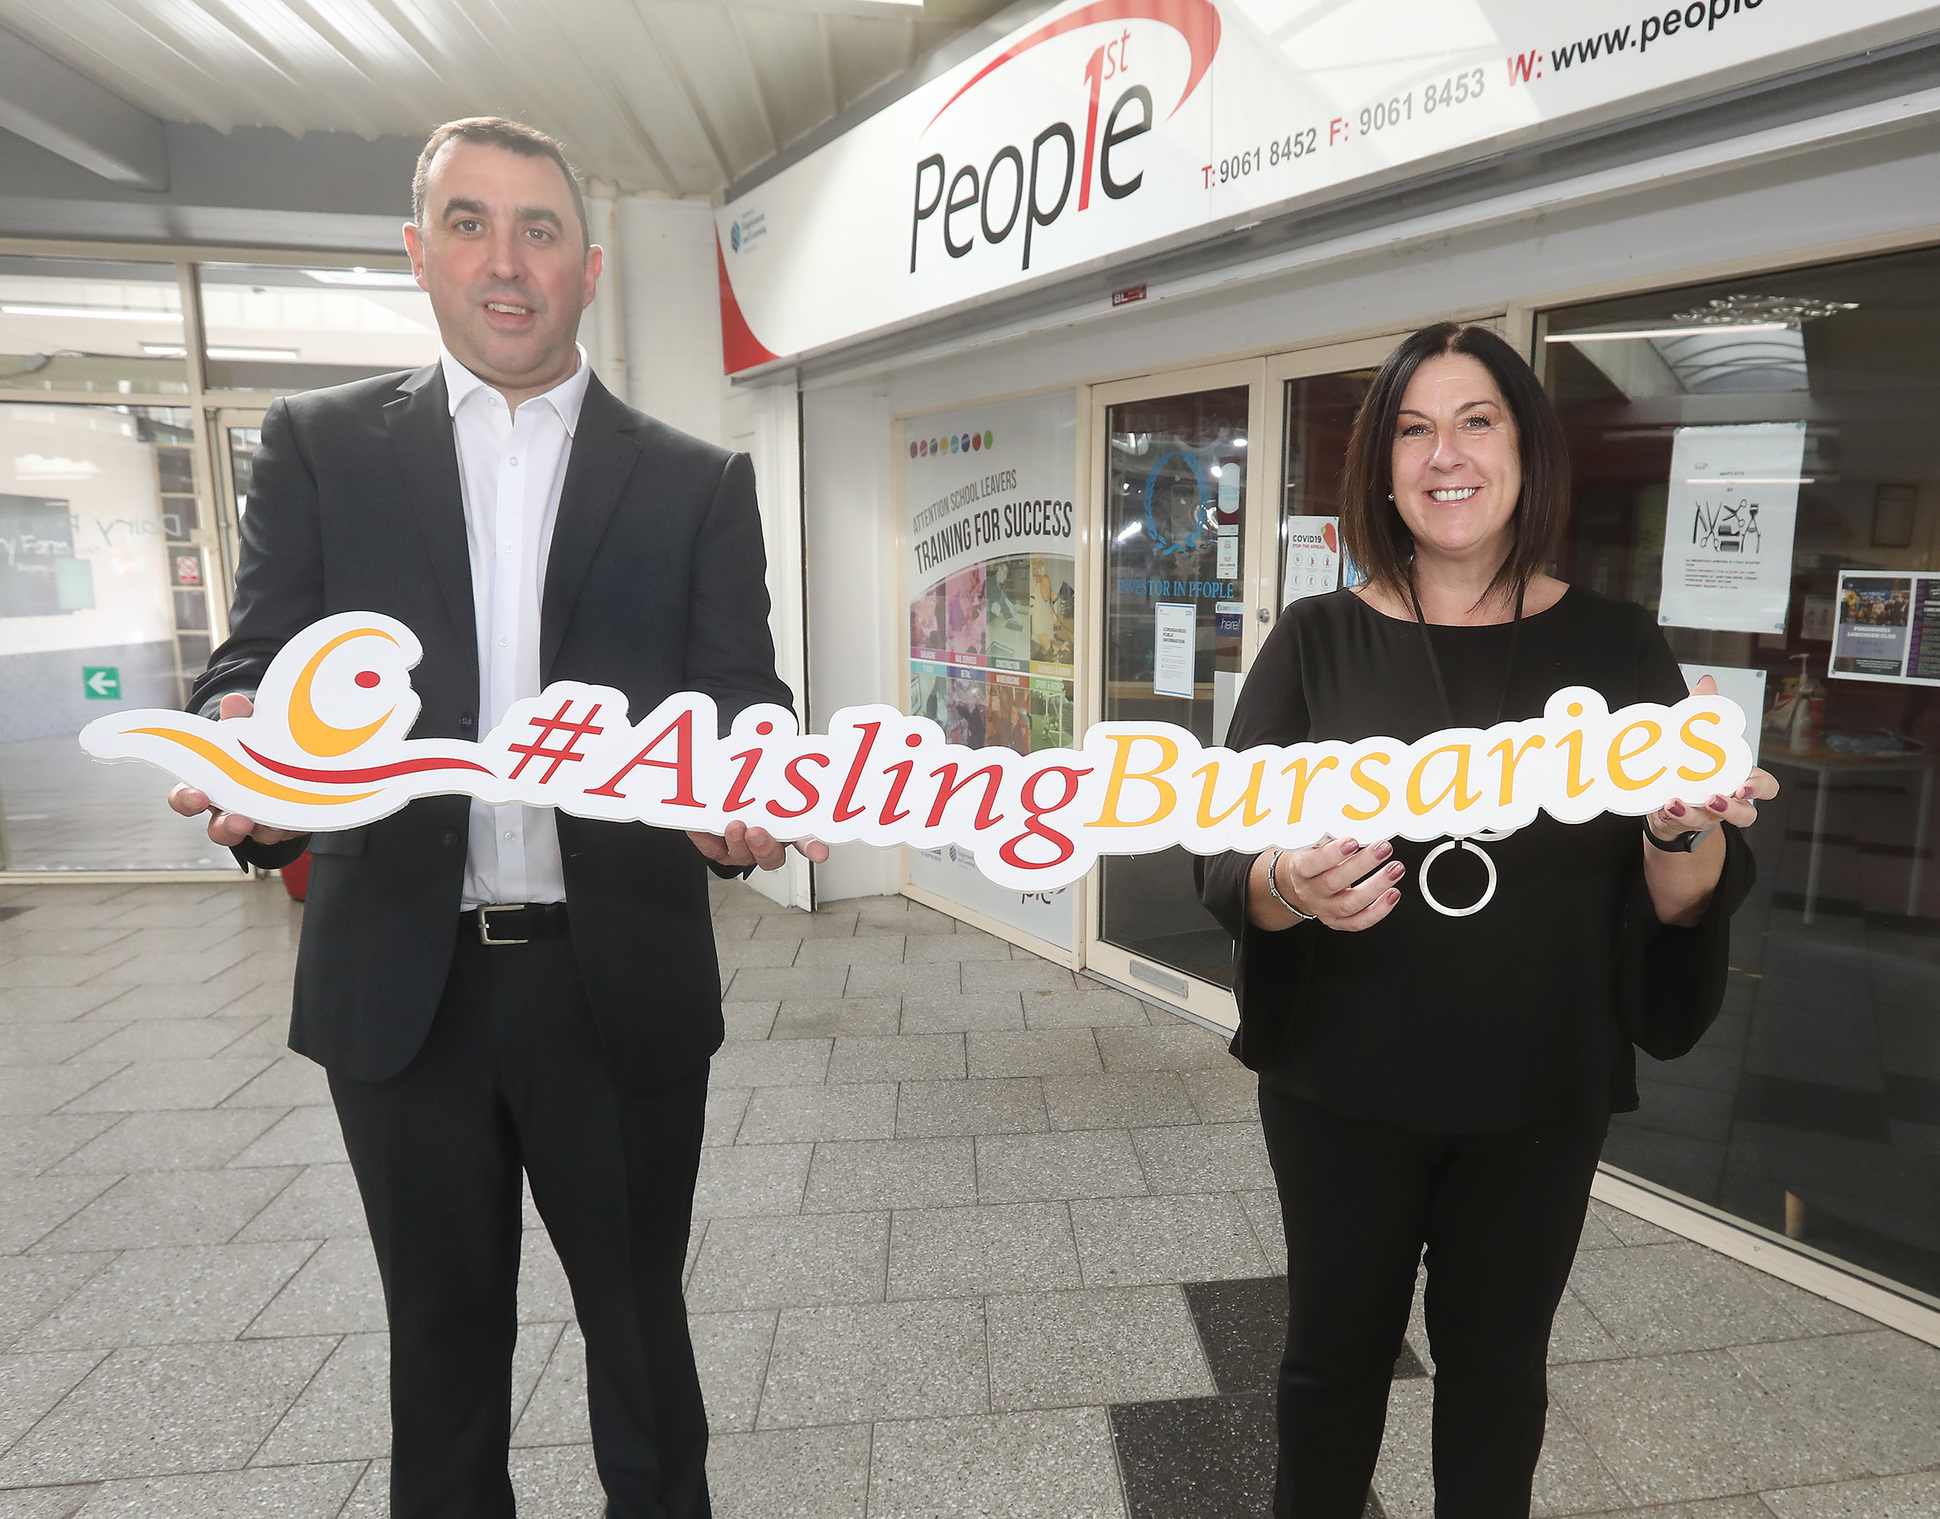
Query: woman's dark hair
{"type": "Point", "coordinates": [1371, 526]}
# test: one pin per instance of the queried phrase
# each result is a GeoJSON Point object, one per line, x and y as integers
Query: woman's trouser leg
{"type": "Point", "coordinates": [1354, 1197]}
{"type": "Point", "coordinates": [1503, 1226]}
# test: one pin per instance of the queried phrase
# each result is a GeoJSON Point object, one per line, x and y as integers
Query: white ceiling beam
{"type": "Point", "coordinates": [65, 112]}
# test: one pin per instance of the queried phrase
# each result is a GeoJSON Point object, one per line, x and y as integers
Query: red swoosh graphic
{"type": "Point", "coordinates": [360, 777]}
{"type": "Point", "coordinates": [1195, 20]}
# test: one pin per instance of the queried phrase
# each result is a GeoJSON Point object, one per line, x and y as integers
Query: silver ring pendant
{"type": "Point", "coordinates": [1436, 853]}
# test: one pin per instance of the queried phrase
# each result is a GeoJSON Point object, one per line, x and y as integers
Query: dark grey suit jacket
{"type": "Point", "coordinates": [655, 584]}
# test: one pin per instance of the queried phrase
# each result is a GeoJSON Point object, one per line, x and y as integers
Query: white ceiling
{"type": "Point", "coordinates": [675, 97]}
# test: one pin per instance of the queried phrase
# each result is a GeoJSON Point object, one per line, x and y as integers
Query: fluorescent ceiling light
{"type": "Point", "coordinates": [369, 279]}
{"type": "Point", "coordinates": [115, 313]}
{"type": "Point", "coordinates": [1665, 332]}
{"type": "Point", "coordinates": [216, 351]}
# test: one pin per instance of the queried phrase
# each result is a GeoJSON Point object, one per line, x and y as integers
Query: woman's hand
{"type": "Point", "coordinates": [1740, 809]}
{"type": "Point", "coordinates": [1337, 881]}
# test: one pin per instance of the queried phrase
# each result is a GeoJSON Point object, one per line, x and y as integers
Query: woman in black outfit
{"type": "Point", "coordinates": [1442, 1076]}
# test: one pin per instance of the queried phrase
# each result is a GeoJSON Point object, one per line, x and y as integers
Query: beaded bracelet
{"type": "Point", "coordinates": [1273, 886]}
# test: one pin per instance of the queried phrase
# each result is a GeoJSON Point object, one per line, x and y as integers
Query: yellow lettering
{"type": "Point", "coordinates": [1619, 755]}
{"type": "Point", "coordinates": [1121, 772]}
{"type": "Point", "coordinates": [1303, 774]}
{"type": "Point", "coordinates": [1457, 784]}
{"type": "Point", "coordinates": [1511, 757]}
{"type": "Point", "coordinates": [1368, 784]}
{"type": "Point", "coordinates": [1703, 746]}
{"type": "Point", "coordinates": [1250, 796]}
{"type": "Point", "coordinates": [1573, 742]}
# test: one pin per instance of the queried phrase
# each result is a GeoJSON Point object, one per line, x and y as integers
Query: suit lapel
{"type": "Point", "coordinates": [419, 424]}
{"type": "Point", "coordinates": [604, 449]}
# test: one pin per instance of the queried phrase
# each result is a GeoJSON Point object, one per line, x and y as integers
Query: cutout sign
{"type": "Point", "coordinates": [327, 749]}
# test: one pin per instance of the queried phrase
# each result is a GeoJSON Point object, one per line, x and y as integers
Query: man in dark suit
{"type": "Point", "coordinates": [502, 991]}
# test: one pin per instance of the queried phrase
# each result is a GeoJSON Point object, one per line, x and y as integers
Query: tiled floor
{"type": "Point", "coordinates": [961, 1217]}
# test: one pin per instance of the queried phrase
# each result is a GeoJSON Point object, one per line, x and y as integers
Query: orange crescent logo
{"type": "Point", "coordinates": [309, 730]}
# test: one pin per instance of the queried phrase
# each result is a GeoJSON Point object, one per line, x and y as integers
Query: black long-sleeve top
{"type": "Point", "coordinates": [1518, 1013]}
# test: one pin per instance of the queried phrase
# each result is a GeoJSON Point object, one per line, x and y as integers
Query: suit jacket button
{"type": "Point", "coordinates": [450, 840]}
{"type": "Point", "coordinates": [465, 720]}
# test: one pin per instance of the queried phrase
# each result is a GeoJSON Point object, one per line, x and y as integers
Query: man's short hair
{"type": "Point", "coordinates": [498, 132]}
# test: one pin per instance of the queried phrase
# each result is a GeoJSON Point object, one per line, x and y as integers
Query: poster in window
{"type": "Point", "coordinates": [988, 563]}
{"type": "Point", "coordinates": [1888, 628]}
{"type": "Point", "coordinates": [1733, 504]}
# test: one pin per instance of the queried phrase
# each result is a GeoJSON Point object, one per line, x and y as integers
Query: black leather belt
{"type": "Point", "coordinates": [501, 923]}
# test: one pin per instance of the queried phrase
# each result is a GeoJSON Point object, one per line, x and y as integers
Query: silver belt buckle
{"type": "Point", "coordinates": [485, 923]}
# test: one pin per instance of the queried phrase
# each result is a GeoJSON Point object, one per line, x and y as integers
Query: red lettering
{"type": "Point", "coordinates": [1033, 825]}
{"type": "Point", "coordinates": [737, 797]}
{"type": "Point", "coordinates": [901, 771]}
{"type": "Point", "coordinates": [805, 787]}
{"type": "Point", "coordinates": [682, 764]}
{"type": "Point", "coordinates": [993, 778]}
{"type": "Point", "coordinates": [1095, 73]}
{"type": "Point", "coordinates": [843, 811]}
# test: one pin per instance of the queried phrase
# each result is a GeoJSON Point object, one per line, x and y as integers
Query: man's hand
{"type": "Point", "coordinates": [741, 847]}
{"type": "Point", "coordinates": [226, 828]}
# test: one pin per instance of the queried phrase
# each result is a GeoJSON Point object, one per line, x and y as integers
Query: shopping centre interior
{"type": "Point", "coordinates": [985, 1221]}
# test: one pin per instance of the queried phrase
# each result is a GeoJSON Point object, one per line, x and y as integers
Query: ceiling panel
{"type": "Point", "coordinates": [658, 96]}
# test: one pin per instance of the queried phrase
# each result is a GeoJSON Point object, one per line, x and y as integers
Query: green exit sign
{"type": "Point", "coordinates": [101, 682]}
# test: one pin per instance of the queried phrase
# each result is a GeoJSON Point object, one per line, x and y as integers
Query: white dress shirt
{"type": "Point", "coordinates": [511, 469]}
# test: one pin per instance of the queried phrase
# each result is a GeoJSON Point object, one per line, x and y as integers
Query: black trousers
{"type": "Point", "coordinates": [1500, 1216]}
{"type": "Point", "coordinates": [512, 1079]}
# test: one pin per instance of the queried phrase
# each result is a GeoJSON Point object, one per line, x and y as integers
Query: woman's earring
{"type": "Point", "coordinates": [1391, 495]}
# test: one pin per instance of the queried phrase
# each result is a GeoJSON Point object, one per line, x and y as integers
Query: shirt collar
{"type": "Point", "coordinates": [566, 397]}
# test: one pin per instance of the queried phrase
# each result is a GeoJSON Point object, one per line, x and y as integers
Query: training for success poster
{"type": "Point", "coordinates": [990, 499]}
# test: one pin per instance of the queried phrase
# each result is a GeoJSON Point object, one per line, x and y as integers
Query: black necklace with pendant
{"type": "Point", "coordinates": [1448, 721]}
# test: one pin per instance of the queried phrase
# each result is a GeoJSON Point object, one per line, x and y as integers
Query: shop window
{"type": "Point", "coordinates": [272, 327]}
{"type": "Point", "coordinates": [104, 605]}
{"type": "Point", "coordinates": [97, 326]}
{"type": "Point", "coordinates": [1758, 462]}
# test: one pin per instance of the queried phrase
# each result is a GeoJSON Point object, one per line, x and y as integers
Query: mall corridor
{"type": "Point", "coordinates": [973, 1238]}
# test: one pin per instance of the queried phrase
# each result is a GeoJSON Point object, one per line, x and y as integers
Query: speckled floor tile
{"type": "Point", "coordinates": [345, 1412]}
{"type": "Point", "coordinates": [544, 1293]}
{"type": "Point", "coordinates": [1093, 1347]}
{"type": "Point", "coordinates": [749, 1263]}
{"type": "Point", "coordinates": [1873, 1397]}
{"type": "Point", "coordinates": [1082, 1163]}
{"type": "Point", "coordinates": [770, 1063]}
{"type": "Point", "coordinates": [844, 1365]}
{"type": "Point", "coordinates": [32, 1143]}
{"type": "Point", "coordinates": [1914, 1495]}
{"type": "Point", "coordinates": [1008, 1105]}
{"type": "Point", "coordinates": [322, 1203]}
{"type": "Point", "coordinates": [1138, 1099]}
{"type": "Point", "coordinates": [336, 1292]}
{"type": "Point", "coordinates": [291, 1492]}
{"type": "Point", "coordinates": [934, 1012]}
{"type": "Point", "coordinates": [850, 1110]}
{"type": "Point", "coordinates": [838, 1017]}
{"type": "Point", "coordinates": [1088, 1005]}
{"type": "Point", "coordinates": [171, 1296]}
{"type": "Point", "coordinates": [1053, 1464]}
{"type": "Point", "coordinates": [164, 1410]}
{"type": "Point", "coordinates": [556, 1482]}
{"type": "Point", "coordinates": [741, 1181]}
{"type": "Point", "coordinates": [44, 1502]}
{"type": "Point", "coordinates": [732, 1350]}
{"type": "Point", "coordinates": [167, 1208]}
{"type": "Point", "coordinates": [1179, 1047]}
{"type": "Point", "coordinates": [971, 1252]}
{"type": "Point", "coordinates": [1577, 1334]}
{"type": "Point", "coordinates": [1197, 1456]}
{"type": "Point", "coordinates": [1225, 1093]}
{"type": "Point", "coordinates": [1674, 1428]}
{"type": "Point", "coordinates": [170, 1141]}
{"type": "Point", "coordinates": [555, 1414]}
{"type": "Point", "coordinates": [901, 1057]}
{"type": "Point", "coordinates": [1660, 1299]}
{"type": "Point", "coordinates": [857, 1175]}
{"type": "Point", "coordinates": [1213, 1157]}
{"type": "Point", "coordinates": [1132, 1240]}
{"type": "Point", "coordinates": [1036, 1052]}
{"type": "Point", "coordinates": [307, 1136]}
{"type": "Point", "coordinates": [1569, 1477]}
{"type": "Point", "coordinates": [790, 1473]}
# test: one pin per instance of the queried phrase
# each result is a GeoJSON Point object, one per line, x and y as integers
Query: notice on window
{"type": "Point", "coordinates": [1175, 640]}
{"type": "Point", "coordinates": [1734, 500]}
{"type": "Point", "coordinates": [1312, 565]}
{"type": "Point", "coordinates": [1888, 628]}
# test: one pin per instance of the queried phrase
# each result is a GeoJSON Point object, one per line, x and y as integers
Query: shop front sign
{"type": "Point", "coordinates": [1107, 127]}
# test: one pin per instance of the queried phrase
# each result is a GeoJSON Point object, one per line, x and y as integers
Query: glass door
{"type": "Point", "coordinates": [1182, 597]}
